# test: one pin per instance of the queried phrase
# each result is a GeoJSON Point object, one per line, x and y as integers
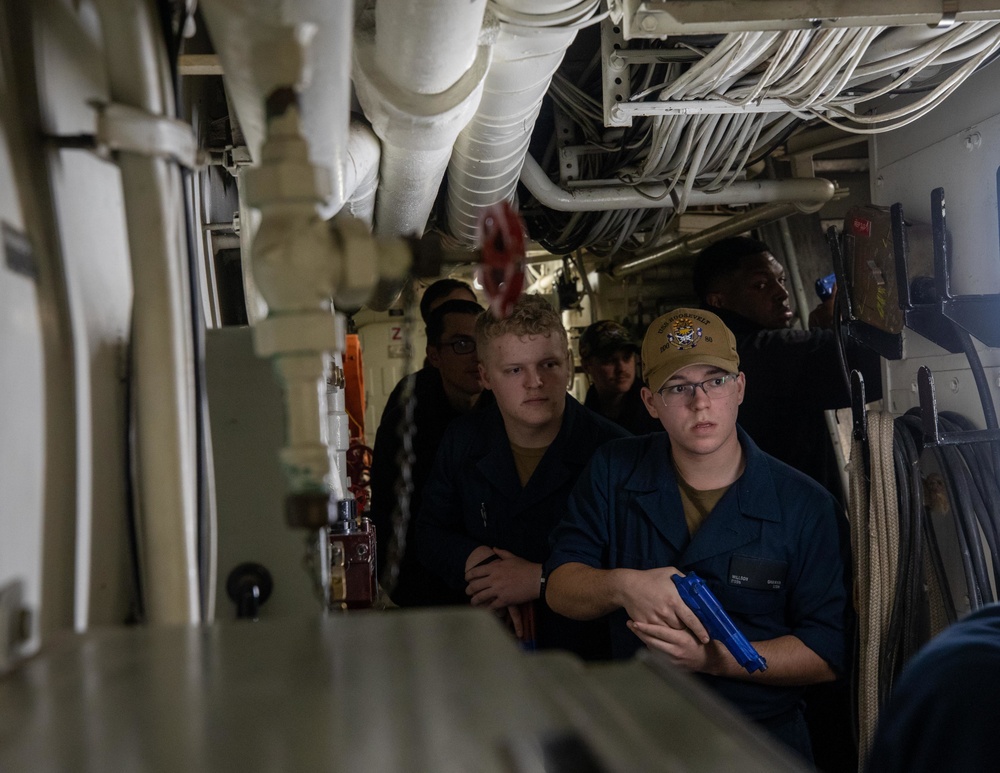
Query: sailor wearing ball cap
{"type": "Point", "coordinates": [608, 355]}
{"type": "Point", "coordinates": [701, 497]}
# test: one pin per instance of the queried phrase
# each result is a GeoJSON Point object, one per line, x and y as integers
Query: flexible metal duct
{"type": "Point", "coordinates": [487, 157]}
{"type": "Point", "coordinates": [418, 75]}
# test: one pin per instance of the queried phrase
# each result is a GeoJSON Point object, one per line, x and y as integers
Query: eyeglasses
{"type": "Point", "coordinates": [461, 345]}
{"type": "Point", "coordinates": [680, 394]}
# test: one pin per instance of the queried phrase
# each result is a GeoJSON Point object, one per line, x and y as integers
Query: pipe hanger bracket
{"type": "Point", "coordinates": [122, 128]}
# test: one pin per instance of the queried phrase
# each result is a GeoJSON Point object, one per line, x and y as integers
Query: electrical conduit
{"type": "Point", "coordinates": [162, 346]}
{"type": "Point", "coordinates": [808, 194]}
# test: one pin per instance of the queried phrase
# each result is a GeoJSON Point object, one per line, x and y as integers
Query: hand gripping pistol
{"type": "Point", "coordinates": [719, 625]}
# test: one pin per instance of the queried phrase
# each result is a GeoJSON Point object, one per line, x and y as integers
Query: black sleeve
{"type": "Point", "coordinates": [869, 364]}
{"type": "Point", "coordinates": [393, 400]}
{"type": "Point", "coordinates": [442, 541]}
{"type": "Point", "coordinates": [804, 367]}
{"type": "Point", "coordinates": [384, 477]}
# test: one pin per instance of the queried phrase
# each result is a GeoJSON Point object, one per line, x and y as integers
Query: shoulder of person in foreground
{"type": "Point", "coordinates": [942, 711]}
{"type": "Point", "coordinates": [615, 461]}
{"type": "Point", "coordinates": [466, 439]}
{"type": "Point", "coordinates": [810, 362]}
{"type": "Point", "coordinates": [426, 382]}
{"type": "Point", "coordinates": [772, 483]}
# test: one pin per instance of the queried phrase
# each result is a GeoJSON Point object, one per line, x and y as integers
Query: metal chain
{"type": "Point", "coordinates": [406, 430]}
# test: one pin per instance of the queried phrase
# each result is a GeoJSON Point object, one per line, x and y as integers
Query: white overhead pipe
{"type": "Point", "coordinates": [807, 194]}
{"type": "Point", "coordinates": [249, 36]}
{"type": "Point", "coordinates": [303, 265]}
{"type": "Point", "coordinates": [691, 245]}
{"type": "Point", "coordinates": [302, 262]}
{"type": "Point", "coordinates": [487, 157]}
{"type": "Point", "coordinates": [659, 273]}
{"type": "Point", "coordinates": [418, 75]}
{"type": "Point", "coordinates": [251, 39]}
{"type": "Point", "coordinates": [422, 46]}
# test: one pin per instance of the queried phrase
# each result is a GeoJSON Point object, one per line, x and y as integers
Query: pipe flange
{"type": "Point", "coordinates": [307, 331]}
{"type": "Point", "coordinates": [285, 182]}
{"type": "Point", "coordinates": [416, 121]}
{"type": "Point", "coordinates": [359, 262]}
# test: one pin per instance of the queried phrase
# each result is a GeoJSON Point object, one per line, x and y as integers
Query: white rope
{"type": "Point", "coordinates": [874, 519]}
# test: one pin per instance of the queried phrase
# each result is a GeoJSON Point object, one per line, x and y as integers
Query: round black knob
{"type": "Point", "coordinates": [249, 585]}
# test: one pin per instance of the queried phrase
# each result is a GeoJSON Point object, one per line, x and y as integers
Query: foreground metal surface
{"type": "Point", "coordinates": [421, 690]}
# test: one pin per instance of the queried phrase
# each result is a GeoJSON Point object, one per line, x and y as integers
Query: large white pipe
{"type": "Point", "coordinates": [488, 154]}
{"type": "Point", "coordinates": [422, 46]}
{"type": "Point", "coordinates": [250, 38]}
{"type": "Point", "coordinates": [162, 346]}
{"type": "Point", "coordinates": [417, 104]}
{"type": "Point", "coordinates": [807, 194]}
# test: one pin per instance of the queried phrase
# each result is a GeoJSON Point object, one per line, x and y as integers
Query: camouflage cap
{"type": "Point", "coordinates": [687, 337]}
{"type": "Point", "coordinates": [604, 338]}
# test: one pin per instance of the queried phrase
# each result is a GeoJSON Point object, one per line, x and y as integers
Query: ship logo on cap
{"type": "Point", "coordinates": [685, 333]}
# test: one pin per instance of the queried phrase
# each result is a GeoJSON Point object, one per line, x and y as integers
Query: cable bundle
{"type": "Point", "coordinates": [827, 74]}
{"type": "Point", "coordinates": [968, 477]}
{"type": "Point", "coordinates": [898, 505]}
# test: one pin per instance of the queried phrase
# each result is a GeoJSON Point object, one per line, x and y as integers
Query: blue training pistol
{"type": "Point", "coordinates": [825, 285]}
{"type": "Point", "coordinates": [719, 625]}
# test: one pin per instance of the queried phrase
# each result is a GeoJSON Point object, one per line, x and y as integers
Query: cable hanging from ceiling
{"type": "Point", "coordinates": [831, 75]}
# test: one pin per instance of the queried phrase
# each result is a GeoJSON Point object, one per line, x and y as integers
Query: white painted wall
{"type": "Point", "coordinates": [62, 336]}
{"type": "Point", "coordinates": [957, 147]}
{"type": "Point", "coordinates": [22, 414]}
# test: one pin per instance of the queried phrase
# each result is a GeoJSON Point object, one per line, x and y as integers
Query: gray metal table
{"type": "Point", "coordinates": [416, 690]}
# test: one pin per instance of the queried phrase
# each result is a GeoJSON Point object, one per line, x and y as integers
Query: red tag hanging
{"type": "Point", "coordinates": [501, 268]}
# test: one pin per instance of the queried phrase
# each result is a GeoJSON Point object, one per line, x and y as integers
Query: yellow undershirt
{"type": "Point", "coordinates": [526, 460]}
{"type": "Point", "coordinates": [698, 504]}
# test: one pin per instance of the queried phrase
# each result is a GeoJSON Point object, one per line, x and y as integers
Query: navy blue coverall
{"type": "Point", "coordinates": [474, 497]}
{"type": "Point", "coordinates": [774, 551]}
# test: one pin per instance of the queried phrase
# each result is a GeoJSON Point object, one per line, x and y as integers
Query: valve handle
{"type": "Point", "coordinates": [249, 585]}
{"type": "Point", "coordinates": [501, 266]}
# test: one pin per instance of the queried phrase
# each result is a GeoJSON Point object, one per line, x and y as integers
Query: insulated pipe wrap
{"type": "Point", "coordinates": [416, 51]}
{"type": "Point", "coordinates": [361, 174]}
{"type": "Point", "coordinates": [488, 154]}
{"type": "Point", "coordinates": [414, 176]}
{"type": "Point", "coordinates": [417, 129]}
